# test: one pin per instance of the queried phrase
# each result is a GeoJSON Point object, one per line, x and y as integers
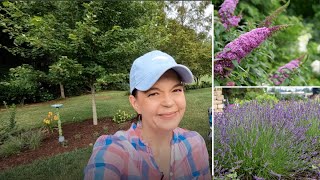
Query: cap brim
{"type": "Point", "coordinates": [184, 73]}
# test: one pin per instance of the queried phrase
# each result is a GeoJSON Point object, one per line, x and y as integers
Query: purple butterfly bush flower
{"type": "Point", "coordinates": [231, 83]}
{"type": "Point", "coordinates": [284, 72]}
{"type": "Point", "coordinates": [241, 47]}
{"type": "Point", "coordinates": [226, 14]}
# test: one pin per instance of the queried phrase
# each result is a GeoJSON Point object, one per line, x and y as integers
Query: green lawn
{"type": "Point", "coordinates": [70, 165]}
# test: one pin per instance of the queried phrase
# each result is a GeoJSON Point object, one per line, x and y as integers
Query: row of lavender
{"type": "Point", "coordinates": [268, 140]}
{"type": "Point", "coordinates": [239, 48]}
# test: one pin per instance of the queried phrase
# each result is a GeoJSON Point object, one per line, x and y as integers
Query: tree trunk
{"type": "Point", "coordinates": [62, 91]}
{"type": "Point", "coordinates": [22, 101]}
{"type": "Point", "coordinates": [197, 80]}
{"type": "Point", "coordinates": [94, 108]}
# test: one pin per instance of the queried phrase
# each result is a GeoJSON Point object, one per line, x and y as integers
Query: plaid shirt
{"type": "Point", "coordinates": [125, 156]}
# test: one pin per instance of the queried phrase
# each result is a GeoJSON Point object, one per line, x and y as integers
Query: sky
{"type": "Point", "coordinates": [208, 11]}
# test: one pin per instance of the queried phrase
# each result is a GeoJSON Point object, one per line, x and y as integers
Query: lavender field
{"type": "Point", "coordinates": [268, 141]}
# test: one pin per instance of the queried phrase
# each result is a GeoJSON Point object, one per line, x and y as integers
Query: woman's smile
{"type": "Point", "coordinates": [168, 115]}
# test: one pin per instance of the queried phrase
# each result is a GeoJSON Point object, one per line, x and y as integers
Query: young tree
{"type": "Point", "coordinates": [64, 71]}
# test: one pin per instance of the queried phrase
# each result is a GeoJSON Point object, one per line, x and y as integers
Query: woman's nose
{"type": "Point", "coordinates": [167, 100]}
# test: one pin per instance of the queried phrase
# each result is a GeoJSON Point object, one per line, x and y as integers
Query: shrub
{"type": "Point", "coordinates": [293, 97]}
{"type": "Point", "coordinates": [22, 83]}
{"type": "Point", "coordinates": [266, 140]}
{"type": "Point", "coordinates": [121, 116]}
{"type": "Point", "coordinates": [8, 128]}
{"type": "Point", "coordinates": [205, 84]}
{"type": "Point", "coordinates": [45, 95]}
{"type": "Point", "coordinates": [261, 98]}
{"type": "Point", "coordinates": [12, 145]}
{"type": "Point", "coordinates": [32, 139]}
{"type": "Point", "coordinates": [192, 86]}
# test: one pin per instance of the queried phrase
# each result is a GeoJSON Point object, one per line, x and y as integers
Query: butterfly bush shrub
{"type": "Point", "coordinates": [244, 56]}
{"type": "Point", "coordinates": [267, 140]}
{"type": "Point", "coordinates": [226, 13]}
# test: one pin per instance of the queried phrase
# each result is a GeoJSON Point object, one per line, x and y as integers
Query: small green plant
{"type": "Point", "coordinates": [77, 136]}
{"type": "Point", "coordinates": [95, 135]}
{"type": "Point", "coordinates": [12, 119]}
{"type": "Point", "coordinates": [260, 98]}
{"type": "Point", "coordinates": [12, 145]}
{"type": "Point", "coordinates": [32, 139]}
{"type": "Point", "coordinates": [233, 176]}
{"type": "Point", "coordinates": [105, 129]}
{"type": "Point", "coordinates": [8, 128]}
{"type": "Point", "coordinates": [121, 116]}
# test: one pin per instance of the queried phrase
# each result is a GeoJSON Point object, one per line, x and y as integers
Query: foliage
{"type": "Point", "coordinates": [8, 128]}
{"type": "Point", "coordinates": [12, 145]}
{"type": "Point", "coordinates": [100, 39]}
{"type": "Point", "coordinates": [122, 116]}
{"type": "Point", "coordinates": [232, 94]}
{"type": "Point", "coordinates": [22, 83]}
{"type": "Point", "coordinates": [202, 84]}
{"type": "Point", "coordinates": [12, 119]}
{"type": "Point", "coordinates": [280, 49]}
{"type": "Point", "coordinates": [262, 140]}
{"type": "Point", "coordinates": [64, 70]}
{"type": "Point", "coordinates": [260, 98]}
{"type": "Point", "coordinates": [187, 50]}
{"type": "Point", "coordinates": [32, 139]}
{"type": "Point", "coordinates": [294, 97]}
{"type": "Point", "coordinates": [114, 82]}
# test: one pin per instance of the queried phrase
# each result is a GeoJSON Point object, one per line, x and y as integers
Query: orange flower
{"type": "Point", "coordinates": [55, 117]}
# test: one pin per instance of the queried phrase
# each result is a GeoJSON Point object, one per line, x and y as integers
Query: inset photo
{"type": "Point", "coordinates": [266, 43]}
{"type": "Point", "coordinates": [266, 133]}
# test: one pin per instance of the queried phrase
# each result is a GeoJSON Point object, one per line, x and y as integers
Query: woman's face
{"type": "Point", "coordinates": [163, 105]}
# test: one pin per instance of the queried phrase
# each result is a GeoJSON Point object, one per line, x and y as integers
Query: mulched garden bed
{"type": "Point", "coordinates": [78, 135]}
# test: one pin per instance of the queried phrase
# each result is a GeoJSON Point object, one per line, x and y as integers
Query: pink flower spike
{"type": "Point", "coordinates": [231, 83]}
{"type": "Point", "coordinates": [241, 47]}
{"type": "Point", "coordinates": [284, 71]}
{"type": "Point", "coordinates": [226, 14]}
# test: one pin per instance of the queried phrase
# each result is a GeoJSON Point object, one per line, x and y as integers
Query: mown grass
{"type": "Point", "coordinates": [64, 166]}
{"type": "Point", "coordinates": [75, 109]}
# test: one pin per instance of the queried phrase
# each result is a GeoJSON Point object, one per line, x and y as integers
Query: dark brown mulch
{"type": "Point", "coordinates": [77, 135]}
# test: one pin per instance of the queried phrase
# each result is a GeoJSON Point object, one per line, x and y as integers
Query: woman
{"type": "Point", "coordinates": [154, 147]}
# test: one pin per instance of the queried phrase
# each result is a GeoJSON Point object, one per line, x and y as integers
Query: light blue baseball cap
{"type": "Point", "coordinates": [148, 68]}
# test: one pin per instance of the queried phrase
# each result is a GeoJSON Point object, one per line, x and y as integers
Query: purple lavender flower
{"type": "Point", "coordinates": [226, 14]}
{"type": "Point", "coordinates": [284, 72]}
{"type": "Point", "coordinates": [264, 131]}
{"type": "Point", "coordinates": [258, 178]}
{"type": "Point", "coordinates": [240, 47]}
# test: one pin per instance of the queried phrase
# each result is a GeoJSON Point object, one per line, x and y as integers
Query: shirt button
{"type": "Point", "coordinates": [171, 173]}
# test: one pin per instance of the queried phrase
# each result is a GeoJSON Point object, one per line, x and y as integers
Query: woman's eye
{"type": "Point", "coordinates": [177, 90]}
{"type": "Point", "coordinates": [152, 94]}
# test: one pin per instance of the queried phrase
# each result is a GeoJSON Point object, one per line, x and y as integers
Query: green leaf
{"type": "Point", "coordinates": [235, 63]}
{"type": "Point", "coordinates": [6, 3]}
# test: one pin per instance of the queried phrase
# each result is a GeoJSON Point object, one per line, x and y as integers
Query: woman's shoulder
{"type": "Point", "coordinates": [183, 134]}
{"type": "Point", "coordinates": [121, 139]}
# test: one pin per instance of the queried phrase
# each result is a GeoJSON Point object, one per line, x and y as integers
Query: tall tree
{"type": "Point", "coordinates": [102, 41]}
{"type": "Point", "coordinates": [189, 25]}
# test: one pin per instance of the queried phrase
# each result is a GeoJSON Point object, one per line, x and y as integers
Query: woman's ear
{"type": "Point", "coordinates": [134, 104]}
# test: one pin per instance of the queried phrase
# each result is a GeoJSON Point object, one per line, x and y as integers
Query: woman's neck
{"type": "Point", "coordinates": [160, 144]}
{"type": "Point", "coordinates": [156, 139]}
